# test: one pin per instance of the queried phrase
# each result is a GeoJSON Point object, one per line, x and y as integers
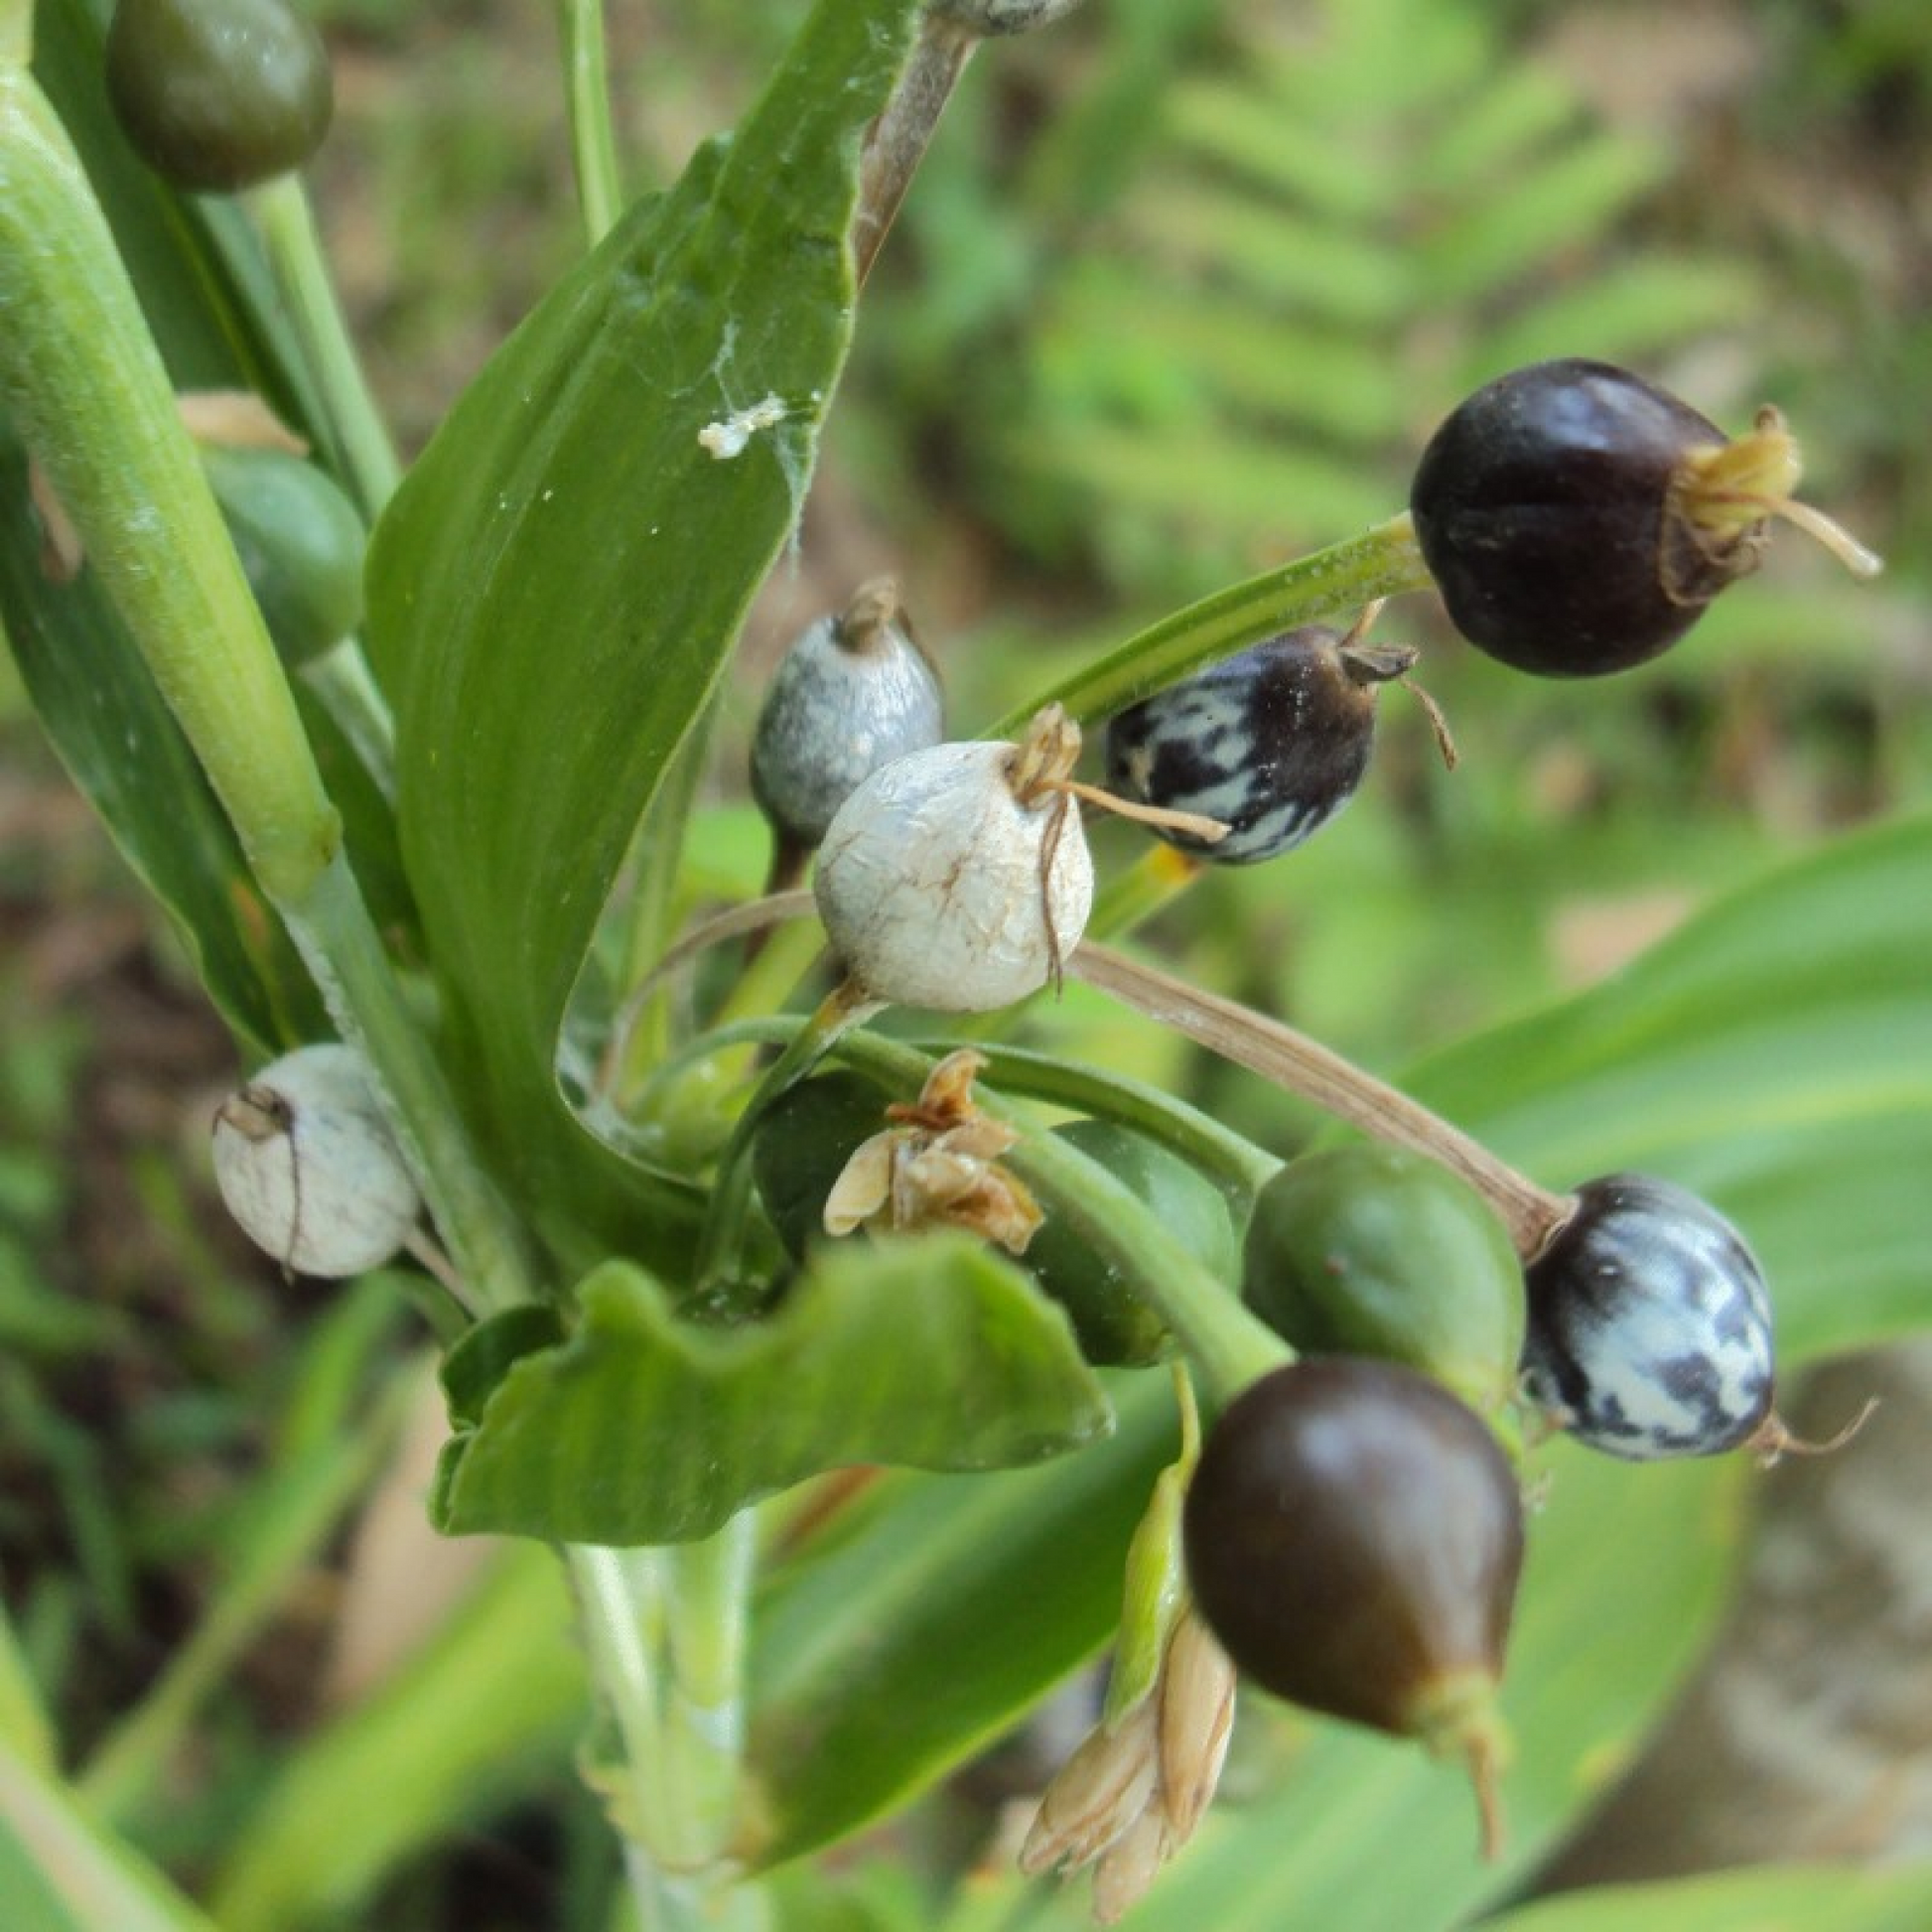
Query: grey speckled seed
{"type": "Point", "coordinates": [1003, 16]}
{"type": "Point", "coordinates": [1272, 742]}
{"type": "Point", "coordinates": [1650, 1327]}
{"type": "Point", "coordinates": [839, 707]}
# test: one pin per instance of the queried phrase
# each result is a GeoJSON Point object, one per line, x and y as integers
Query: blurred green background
{"type": "Point", "coordinates": [1181, 292]}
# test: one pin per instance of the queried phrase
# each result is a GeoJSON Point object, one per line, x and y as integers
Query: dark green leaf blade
{"type": "Point", "coordinates": [555, 588]}
{"type": "Point", "coordinates": [644, 1428]}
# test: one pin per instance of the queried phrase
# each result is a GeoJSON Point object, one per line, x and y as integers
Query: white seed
{"type": "Point", "coordinates": [309, 1168]}
{"type": "Point", "coordinates": [941, 887]}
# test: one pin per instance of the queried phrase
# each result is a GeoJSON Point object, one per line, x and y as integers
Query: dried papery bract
{"type": "Point", "coordinates": [308, 1166]}
{"type": "Point", "coordinates": [937, 1166]}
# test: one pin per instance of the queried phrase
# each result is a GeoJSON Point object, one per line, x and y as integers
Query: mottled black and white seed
{"type": "Point", "coordinates": [1272, 742]}
{"type": "Point", "coordinates": [853, 693]}
{"type": "Point", "coordinates": [1649, 1324]}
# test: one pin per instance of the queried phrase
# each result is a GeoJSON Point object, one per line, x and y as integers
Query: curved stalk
{"type": "Point", "coordinates": [287, 225]}
{"type": "Point", "coordinates": [1381, 562]}
{"type": "Point", "coordinates": [600, 190]}
{"type": "Point", "coordinates": [1305, 1067]}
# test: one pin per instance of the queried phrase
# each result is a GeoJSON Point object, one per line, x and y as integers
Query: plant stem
{"type": "Point", "coordinates": [341, 677]}
{"type": "Point", "coordinates": [1305, 1067]}
{"type": "Point", "coordinates": [88, 392]}
{"type": "Point", "coordinates": [898, 140]}
{"type": "Point", "coordinates": [1381, 562]}
{"type": "Point", "coordinates": [713, 1275]}
{"type": "Point", "coordinates": [287, 225]}
{"type": "Point", "coordinates": [1228, 1346]}
{"type": "Point", "coordinates": [711, 1594]}
{"type": "Point", "coordinates": [600, 190]}
{"type": "Point", "coordinates": [16, 33]}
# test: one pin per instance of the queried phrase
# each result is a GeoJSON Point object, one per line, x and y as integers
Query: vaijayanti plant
{"type": "Point", "coordinates": [869, 1380]}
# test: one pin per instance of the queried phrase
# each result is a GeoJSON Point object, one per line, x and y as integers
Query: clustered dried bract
{"type": "Point", "coordinates": [937, 1165]}
{"type": "Point", "coordinates": [1132, 1794]}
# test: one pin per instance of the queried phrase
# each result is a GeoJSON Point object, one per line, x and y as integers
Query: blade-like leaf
{"type": "Point", "coordinates": [1776, 1054]}
{"type": "Point", "coordinates": [123, 748]}
{"type": "Point", "coordinates": [60, 1871]}
{"type": "Point", "coordinates": [885, 1657]}
{"type": "Point", "coordinates": [1773, 1898]}
{"type": "Point", "coordinates": [555, 588]}
{"type": "Point", "coordinates": [642, 1428]}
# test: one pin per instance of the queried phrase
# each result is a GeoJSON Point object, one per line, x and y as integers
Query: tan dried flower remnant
{"type": "Point", "coordinates": [937, 1165]}
{"type": "Point", "coordinates": [1131, 1796]}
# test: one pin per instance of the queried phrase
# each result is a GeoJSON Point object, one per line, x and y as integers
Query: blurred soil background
{"type": "Point", "coordinates": [1182, 290]}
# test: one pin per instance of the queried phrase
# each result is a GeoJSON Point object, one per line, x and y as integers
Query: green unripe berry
{"type": "Point", "coordinates": [1366, 1249]}
{"type": "Point", "coordinates": [300, 541]}
{"type": "Point", "coordinates": [219, 95]}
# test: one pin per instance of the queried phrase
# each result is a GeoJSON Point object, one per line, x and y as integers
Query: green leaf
{"type": "Point", "coordinates": [123, 748]}
{"type": "Point", "coordinates": [554, 591]}
{"type": "Point", "coordinates": [491, 1698]}
{"type": "Point", "coordinates": [644, 1427]}
{"type": "Point", "coordinates": [1772, 1898]}
{"type": "Point", "coordinates": [1774, 1053]}
{"type": "Point", "coordinates": [888, 1655]}
{"type": "Point", "coordinates": [60, 1871]}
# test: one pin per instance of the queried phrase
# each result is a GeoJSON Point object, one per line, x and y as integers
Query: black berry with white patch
{"type": "Point", "coordinates": [1578, 520]}
{"type": "Point", "coordinates": [1649, 1324]}
{"type": "Point", "coordinates": [1272, 742]}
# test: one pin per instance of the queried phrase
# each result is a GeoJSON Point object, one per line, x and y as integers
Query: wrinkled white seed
{"type": "Point", "coordinates": [939, 889]}
{"type": "Point", "coordinates": [307, 1165]}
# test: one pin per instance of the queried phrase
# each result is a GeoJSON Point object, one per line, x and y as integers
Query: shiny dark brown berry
{"type": "Point", "coordinates": [219, 95]}
{"type": "Point", "coordinates": [1578, 520]}
{"type": "Point", "coordinates": [1353, 1538]}
{"type": "Point", "coordinates": [1650, 1327]}
{"type": "Point", "coordinates": [1272, 742]}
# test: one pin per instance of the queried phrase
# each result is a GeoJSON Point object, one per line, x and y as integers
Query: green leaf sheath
{"type": "Point", "coordinates": [556, 588]}
{"type": "Point", "coordinates": [82, 378]}
{"type": "Point", "coordinates": [642, 1428]}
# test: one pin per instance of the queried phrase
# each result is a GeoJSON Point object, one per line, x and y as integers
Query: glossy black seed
{"type": "Point", "coordinates": [1272, 742]}
{"type": "Point", "coordinates": [1650, 1327]}
{"type": "Point", "coordinates": [1548, 507]}
{"type": "Point", "coordinates": [1353, 1538]}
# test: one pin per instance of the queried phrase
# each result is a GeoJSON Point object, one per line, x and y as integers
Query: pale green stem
{"type": "Point", "coordinates": [288, 231]}
{"type": "Point", "coordinates": [341, 679]}
{"type": "Point", "coordinates": [86, 388]}
{"type": "Point", "coordinates": [710, 1604]}
{"type": "Point", "coordinates": [16, 33]}
{"type": "Point", "coordinates": [1381, 562]}
{"type": "Point", "coordinates": [599, 189]}
{"type": "Point", "coordinates": [715, 1272]}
